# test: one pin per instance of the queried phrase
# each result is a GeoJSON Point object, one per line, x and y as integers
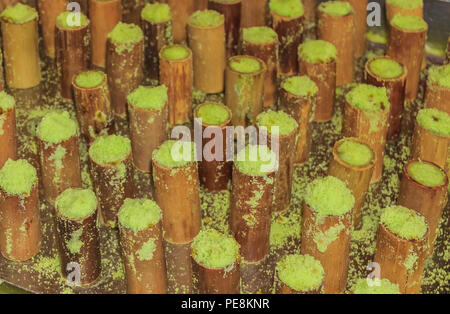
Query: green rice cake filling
{"type": "Point", "coordinates": [406, 4]}
{"type": "Point", "coordinates": [245, 65]}
{"type": "Point", "coordinates": [317, 51]}
{"type": "Point", "coordinates": [256, 160]}
{"type": "Point", "coordinates": [378, 37]}
{"type": "Point", "coordinates": [440, 75]}
{"type": "Point", "coordinates": [76, 203]}
{"type": "Point", "coordinates": [287, 8]}
{"type": "Point", "coordinates": [354, 153]}
{"type": "Point", "coordinates": [285, 123]}
{"type": "Point", "coordinates": [383, 286]}
{"type": "Point", "coordinates": [300, 272]}
{"type": "Point", "coordinates": [426, 174]}
{"type": "Point", "coordinates": [139, 214]}
{"type": "Point", "coordinates": [435, 121]}
{"type": "Point", "coordinates": [404, 222]}
{"type": "Point", "coordinates": [213, 114]}
{"type": "Point", "coordinates": [18, 14]}
{"type": "Point", "coordinates": [110, 149]}
{"type": "Point", "coordinates": [175, 52]}
{"type": "Point", "coordinates": [386, 68]}
{"type": "Point", "coordinates": [149, 97]}
{"type": "Point", "coordinates": [409, 23]}
{"type": "Point", "coordinates": [6, 102]}
{"type": "Point", "coordinates": [67, 20]}
{"type": "Point", "coordinates": [156, 12]}
{"type": "Point", "coordinates": [301, 86]}
{"type": "Point", "coordinates": [259, 35]}
{"type": "Point", "coordinates": [90, 79]}
{"type": "Point", "coordinates": [207, 18]}
{"type": "Point", "coordinates": [56, 127]}
{"type": "Point", "coordinates": [126, 34]}
{"type": "Point", "coordinates": [18, 177]}
{"type": "Point", "coordinates": [174, 154]}
{"type": "Point", "coordinates": [368, 98]}
{"type": "Point", "coordinates": [336, 8]}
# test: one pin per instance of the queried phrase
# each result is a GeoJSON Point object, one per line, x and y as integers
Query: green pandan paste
{"type": "Point", "coordinates": [126, 34]}
{"type": "Point", "coordinates": [378, 37]}
{"type": "Point", "coordinates": [377, 286]}
{"type": "Point", "coordinates": [6, 102]}
{"type": "Point", "coordinates": [440, 75]}
{"type": "Point", "coordinates": [404, 222]}
{"type": "Point", "coordinates": [317, 51]}
{"type": "Point", "coordinates": [409, 23]}
{"type": "Point", "coordinates": [175, 52]}
{"type": "Point", "coordinates": [301, 86]}
{"type": "Point", "coordinates": [256, 160]}
{"type": "Point", "coordinates": [435, 121]}
{"type": "Point", "coordinates": [213, 114]}
{"type": "Point", "coordinates": [245, 65]}
{"type": "Point", "coordinates": [56, 127]}
{"type": "Point", "coordinates": [368, 98]}
{"type": "Point", "coordinates": [156, 12]}
{"type": "Point", "coordinates": [19, 14]}
{"type": "Point", "coordinates": [67, 20]}
{"type": "Point", "coordinates": [149, 97]}
{"type": "Point", "coordinates": [285, 123]}
{"type": "Point", "coordinates": [206, 18]}
{"type": "Point", "coordinates": [386, 68]}
{"type": "Point", "coordinates": [90, 79]}
{"type": "Point", "coordinates": [173, 154]}
{"type": "Point", "coordinates": [76, 203]}
{"type": "Point", "coordinates": [354, 153]}
{"type": "Point", "coordinates": [259, 34]}
{"type": "Point", "coordinates": [426, 174]}
{"type": "Point", "coordinates": [17, 177]}
{"type": "Point", "coordinates": [213, 249]}
{"type": "Point", "coordinates": [110, 149]}
{"type": "Point", "coordinates": [336, 8]}
{"type": "Point", "coordinates": [406, 4]}
{"type": "Point", "coordinates": [300, 272]}
{"type": "Point", "coordinates": [139, 214]}
{"type": "Point", "coordinates": [288, 8]}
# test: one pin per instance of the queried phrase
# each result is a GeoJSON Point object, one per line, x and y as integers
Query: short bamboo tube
{"type": "Point", "coordinates": [217, 281]}
{"type": "Point", "coordinates": [131, 11]}
{"type": "Point", "coordinates": [360, 26]}
{"type": "Point", "coordinates": [48, 12]}
{"type": "Point", "coordinates": [8, 135]}
{"type": "Point", "coordinates": [254, 13]}
{"type": "Point", "coordinates": [396, 93]}
{"type": "Point", "coordinates": [104, 16]}
{"type": "Point", "coordinates": [177, 76]}
{"type": "Point", "coordinates": [357, 178]}
{"type": "Point", "coordinates": [437, 96]}
{"type": "Point", "coordinates": [309, 22]}
{"type": "Point", "coordinates": [257, 277]}
{"type": "Point", "coordinates": [180, 278]}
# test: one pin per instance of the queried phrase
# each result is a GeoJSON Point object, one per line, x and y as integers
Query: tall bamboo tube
{"type": "Point", "coordinates": [309, 23]}
{"type": "Point", "coordinates": [48, 12]}
{"type": "Point", "coordinates": [437, 94]}
{"type": "Point", "coordinates": [181, 11]}
{"type": "Point", "coordinates": [254, 13]}
{"type": "Point", "coordinates": [360, 26]}
{"type": "Point", "coordinates": [8, 133]}
{"type": "Point", "coordinates": [131, 11]}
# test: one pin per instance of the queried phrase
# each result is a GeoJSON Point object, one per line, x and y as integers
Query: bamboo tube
{"type": "Point", "coordinates": [426, 197]}
{"type": "Point", "coordinates": [370, 124]}
{"type": "Point", "coordinates": [262, 42]}
{"type": "Point", "coordinates": [79, 239]}
{"type": "Point", "coordinates": [8, 135]}
{"type": "Point", "coordinates": [20, 232]}
{"type": "Point", "coordinates": [72, 50]}
{"type": "Point", "coordinates": [147, 108]}
{"type": "Point", "coordinates": [111, 171]}
{"type": "Point", "coordinates": [401, 259]}
{"type": "Point", "coordinates": [142, 247]}
{"type": "Point", "coordinates": [326, 232]}
{"type": "Point", "coordinates": [104, 16]}
{"type": "Point", "coordinates": [48, 12]}
{"type": "Point", "coordinates": [395, 85]}
{"type": "Point", "coordinates": [299, 103]}
{"type": "Point", "coordinates": [257, 277]}
{"type": "Point", "coordinates": [20, 48]}
{"type": "Point", "coordinates": [181, 219]}
{"type": "Point", "coordinates": [251, 204]}
{"type": "Point", "coordinates": [181, 11]}
{"type": "Point", "coordinates": [254, 13]}
{"type": "Point", "coordinates": [124, 63]}
{"type": "Point", "coordinates": [175, 72]}
{"type": "Point", "coordinates": [200, 5]}
{"type": "Point", "coordinates": [216, 273]}
{"type": "Point", "coordinates": [309, 23]}
{"type": "Point", "coordinates": [360, 26]}
{"type": "Point", "coordinates": [92, 103]}
{"type": "Point", "coordinates": [131, 11]}
{"type": "Point", "coordinates": [392, 9]}
{"type": "Point", "coordinates": [353, 162]}
{"type": "Point", "coordinates": [408, 48]}
{"type": "Point", "coordinates": [317, 60]}
{"type": "Point", "coordinates": [437, 95]}
{"type": "Point", "coordinates": [208, 48]}
{"type": "Point", "coordinates": [58, 154]}
{"type": "Point", "coordinates": [180, 278]}
{"type": "Point", "coordinates": [338, 30]}
{"type": "Point", "coordinates": [244, 88]}
{"type": "Point", "coordinates": [231, 10]}
{"type": "Point", "coordinates": [214, 169]}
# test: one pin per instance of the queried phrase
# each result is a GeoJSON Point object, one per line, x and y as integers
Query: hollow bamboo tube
{"type": "Point", "coordinates": [250, 221]}
{"type": "Point", "coordinates": [309, 22]}
{"type": "Point", "coordinates": [48, 12]}
{"type": "Point", "coordinates": [143, 276]}
{"type": "Point", "coordinates": [267, 52]}
{"type": "Point", "coordinates": [396, 93]}
{"type": "Point", "coordinates": [254, 13]}
{"type": "Point", "coordinates": [257, 277]}
{"type": "Point", "coordinates": [231, 10]}
{"type": "Point", "coordinates": [88, 255]}
{"type": "Point", "coordinates": [215, 174]}
{"type": "Point", "coordinates": [21, 54]}
{"type": "Point", "coordinates": [217, 280]}
{"type": "Point", "coordinates": [338, 30]}
{"type": "Point", "coordinates": [437, 96]}
{"type": "Point", "coordinates": [177, 76]}
{"type": "Point", "coordinates": [179, 268]}
{"type": "Point", "coordinates": [357, 178]}
{"type": "Point", "coordinates": [72, 54]}
{"type": "Point", "coordinates": [290, 36]}
{"type": "Point", "coordinates": [244, 92]}
{"type": "Point", "coordinates": [104, 16]}
{"type": "Point", "coordinates": [426, 200]}
{"type": "Point", "coordinates": [392, 10]}
{"type": "Point", "coordinates": [93, 106]}
{"type": "Point", "coordinates": [335, 257]}
{"type": "Point", "coordinates": [408, 48]}
{"type": "Point", "coordinates": [20, 236]}
{"type": "Point", "coordinates": [181, 219]}
{"type": "Point", "coordinates": [301, 109]}
{"type": "Point", "coordinates": [131, 11]}
{"type": "Point", "coordinates": [360, 26]}
{"type": "Point", "coordinates": [8, 135]}
{"type": "Point", "coordinates": [392, 253]}
{"type": "Point", "coordinates": [208, 48]}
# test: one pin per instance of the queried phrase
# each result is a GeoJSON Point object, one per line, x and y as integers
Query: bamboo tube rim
{"type": "Point", "coordinates": [150, 226]}
{"type": "Point", "coordinates": [222, 125]}
{"type": "Point", "coordinates": [35, 19]}
{"type": "Point", "coordinates": [402, 239]}
{"type": "Point", "coordinates": [441, 136]}
{"type": "Point", "coordinates": [312, 290]}
{"type": "Point", "coordinates": [292, 95]}
{"type": "Point", "coordinates": [235, 264]}
{"type": "Point", "coordinates": [189, 56]}
{"type": "Point", "coordinates": [262, 64]}
{"type": "Point", "coordinates": [102, 84]}
{"type": "Point", "coordinates": [350, 212]}
{"type": "Point", "coordinates": [72, 29]}
{"type": "Point", "coordinates": [190, 24]}
{"type": "Point", "coordinates": [111, 164]}
{"type": "Point", "coordinates": [282, 136]}
{"type": "Point", "coordinates": [410, 178]}
{"type": "Point", "coordinates": [408, 31]}
{"type": "Point", "coordinates": [156, 23]}
{"type": "Point", "coordinates": [149, 110]}
{"type": "Point", "coordinates": [191, 163]}
{"type": "Point", "coordinates": [380, 78]}
{"type": "Point", "coordinates": [78, 220]}
{"type": "Point", "coordinates": [371, 164]}
{"type": "Point", "coordinates": [285, 18]}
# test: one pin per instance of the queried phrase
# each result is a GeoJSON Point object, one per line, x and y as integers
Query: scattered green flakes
{"type": "Point", "coordinates": [56, 127]}
{"type": "Point", "coordinates": [145, 253]}
{"type": "Point", "coordinates": [174, 154]}
{"type": "Point", "coordinates": [215, 208]}
{"type": "Point", "coordinates": [354, 153]}
{"type": "Point", "coordinates": [110, 149]}
{"type": "Point", "coordinates": [375, 286]}
{"type": "Point", "coordinates": [368, 98]}
{"type": "Point", "coordinates": [90, 79]}
{"type": "Point", "coordinates": [6, 102]}
{"type": "Point", "coordinates": [259, 34]}
{"type": "Point", "coordinates": [411, 260]}
{"type": "Point", "coordinates": [156, 12]}
{"type": "Point", "coordinates": [336, 8]}
{"type": "Point", "coordinates": [245, 64]}
{"type": "Point", "coordinates": [280, 120]}
{"type": "Point", "coordinates": [74, 244]}
{"type": "Point", "coordinates": [404, 222]}
{"type": "Point", "coordinates": [76, 203]}
{"type": "Point", "coordinates": [324, 239]}
{"type": "Point", "coordinates": [409, 23]}
{"type": "Point", "coordinates": [48, 266]}
{"type": "Point", "coordinates": [256, 160]}
{"type": "Point", "coordinates": [18, 177]}
{"type": "Point", "coordinates": [19, 14]}
{"type": "Point", "coordinates": [206, 18]}
{"type": "Point", "coordinates": [288, 8]}
{"type": "Point", "coordinates": [149, 97]}
{"type": "Point", "coordinates": [213, 113]}
{"type": "Point", "coordinates": [139, 214]}
{"type": "Point", "coordinates": [386, 68]}
{"type": "Point", "coordinates": [301, 86]}
{"type": "Point", "coordinates": [434, 121]}
{"type": "Point", "coordinates": [317, 51]}
{"type": "Point", "coordinates": [426, 174]}
{"type": "Point", "coordinates": [440, 75]}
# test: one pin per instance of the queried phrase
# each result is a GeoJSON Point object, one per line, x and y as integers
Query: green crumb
{"type": "Point", "coordinates": [18, 177]}
{"type": "Point", "coordinates": [18, 14]}
{"type": "Point", "coordinates": [56, 127]}
{"type": "Point", "coordinates": [245, 64]}
{"type": "Point", "coordinates": [215, 250]}
{"type": "Point", "coordinates": [175, 52]}
{"type": "Point", "coordinates": [435, 121]}
{"type": "Point", "coordinates": [213, 114]}
{"type": "Point", "coordinates": [301, 86]}
{"type": "Point", "coordinates": [406, 4]}
{"type": "Point", "coordinates": [156, 12]}
{"type": "Point", "coordinates": [329, 196]}
{"type": "Point", "coordinates": [324, 239]}
{"type": "Point", "coordinates": [76, 203]}
{"type": "Point", "coordinates": [90, 79]}
{"type": "Point", "coordinates": [151, 98]}
{"type": "Point", "coordinates": [368, 98]}
{"type": "Point", "coordinates": [277, 119]}
{"type": "Point", "coordinates": [376, 286]}
{"type": "Point", "coordinates": [67, 20]}
{"type": "Point", "coordinates": [426, 174]}
{"type": "Point", "coordinates": [74, 244]}
{"type": "Point", "coordinates": [300, 272]}
{"type": "Point", "coordinates": [126, 34]}
{"type": "Point", "coordinates": [138, 214]}
{"type": "Point", "coordinates": [376, 36]}
{"type": "Point", "coordinates": [145, 253]}
{"type": "Point", "coordinates": [256, 160]}
{"type": "Point", "coordinates": [409, 23]}
{"type": "Point", "coordinates": [411, 260]}
{"type": "Point", "coordinates": [174, 154]}
{"type": "Point", "coordinates": [386, 68]}
{"type": "Point", "coordinates": [317, 51]}
{"type": "Point", "coordinates": [287, 8]}
{"type": "Point", "coordinates": [336, 8]}
{"type": "Point", "coordinates": [354, 153]}
{"type": "Point", "coordinates": [110, 149]}
{"type": "Point", "coordinates": [440, 75]}
{"type": "Point", "coordinates": [404, 222]}
{"type": "Point", "coordinates": [259, 34]}
{"type": "Point", "coordinates": [206, 18]}
{"type": "Point", "coordinates": [6, 102]}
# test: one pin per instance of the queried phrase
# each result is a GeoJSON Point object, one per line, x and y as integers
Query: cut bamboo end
{"type": "Point", "coordinates": [257, 277]}
{"type": "Point", "coordinates": [360, 26]}
{"type": "Point", "coordinates": [8, 135]}
{"type": "Point", "coordinates": [104, 16]}
{"type": "Point", "coordinates": [177, 75]}
{"type": "Point", "coordinates": [131, 11]}
{"type": "Point", "coordinates": [48, 12]}
{"type": "Point", "coordinates": [396, 93]}
{"type": "Point", "coordinates": [392, 10]}
{"type": "Point", "coordinates": [254, 13]}
{"type": "Point", "coordinates": [437, 96]}
{"type": "Point", "coordinates": [180, 279]}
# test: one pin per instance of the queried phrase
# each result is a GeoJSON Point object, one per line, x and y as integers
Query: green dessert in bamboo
{"type": "Point", "coordinates": [256, 160]}
{"type": "Point", "coordinates": [426, 174]}
{"type": "Point", "coordinates": [301, 86]}
{"type": "Point", "coordinates": [139, 214]}
{"type": "Point", "coordinates": [18, 14]}
{"type": "Point", "coordinates": [386, 68]}
{"type": "Point", "coordinates": [368, 98]}
{"type": "Point", "coordinates": [206, 18]}
{"type": "Point", "coordinates": [404, 222]}
{"type": "Point", "coordinates": [406, 4]}
{"type": "Point", "coordinates": [376, 36]}
{"type": "Point", "coordinates": [440, 75]}
{"type": "Point", "coordinates": [355, 154]}
{"type": "Point", "coordinates": [18, 177]}
{"type": "Point", "coordinates": [317, 51]}
{"type": "Point", "coordinates": [56, 127]}
{"type": "Point", "coordinates": [300, 272]}
{"type": "Point", "coordinates": [175, 52]}
{"type": "Point", "coordinates": [76, 203]}
{"type": "Point", "coordinates": [259, 35]}
{"type": "Point", "coordinates": [245, 65]}
{"type": "Point", "coordinates": [287, 8]}
{"type": "Point", "coordinates": [67, 20]}
{"type": "Point", "coordinates": [215, 250]}
{"type": "Point", "coordinates": [277, 119]}
{"type": "Point", "coordinates": [409, 23]}
{"type": "Point", "coordinates": [377, 286]}
{"type": "Point", "coordinates": [90, 79]}
{"type": "Point", "coordinates": [213, 114]}
{"type": "Point", "coordinates": [174, 154]}
{"type": "Point", "coordinates": [435, 121]}
{"type": "Point", "coordinates": [156, 12]}
{"type": "Point", "coordinates": [125, 36]}
{"type": "Point", "coordinates": [150, 98]}
{"type": "Point", "coordinates": [6, 102]}
{"type": "Point", "coordinates": [111, 149]}
{"type": "Point", "coordinates": [336, 8]}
